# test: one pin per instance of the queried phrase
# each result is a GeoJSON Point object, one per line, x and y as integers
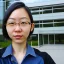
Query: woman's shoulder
{"type": "Point", "coordinates": [42, 54]}
{"type": "Point", "coordinates": [45, 56]}
{"type": "Point", "coordinates": [2, 50]}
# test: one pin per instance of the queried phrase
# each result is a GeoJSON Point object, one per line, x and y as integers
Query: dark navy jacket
{"type": "Point", "coordinates": [30, 58]}
{"type": "Point", "coordinates": [33, 56]}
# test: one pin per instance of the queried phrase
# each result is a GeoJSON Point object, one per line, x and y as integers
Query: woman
{"type": "Point", "coordinates": [17, 26]}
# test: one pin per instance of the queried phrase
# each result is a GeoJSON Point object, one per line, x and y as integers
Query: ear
{"type": "Point", "coordinates": [32, 26]}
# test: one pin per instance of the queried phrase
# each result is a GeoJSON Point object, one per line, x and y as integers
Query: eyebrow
{"type": "Point", "coordinates": [19, 18]}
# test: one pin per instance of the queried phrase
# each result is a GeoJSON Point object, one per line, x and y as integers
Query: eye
{"type": "Point", "coordinates": [23, 23]}
{"type": "Point", "coordinates": [11, 23]}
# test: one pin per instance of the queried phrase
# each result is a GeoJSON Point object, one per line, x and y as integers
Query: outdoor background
{"type": "Point", "coordinates": [48, 34]}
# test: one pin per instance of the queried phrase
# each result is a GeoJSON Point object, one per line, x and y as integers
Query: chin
{"type": "Point", "coordinates": [18, 41]}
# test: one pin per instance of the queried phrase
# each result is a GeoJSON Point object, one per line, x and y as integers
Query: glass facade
{"type": "Point", "coordinates": [49, 23]}
{"type": "Point", "coordinates": [3, 6]}
{"type": "Point", "coordinates": [49, 38]}
{"type": "Point", "coordinates": [2, 11]}
{"type": "Point", "coordinates": [47, 9]}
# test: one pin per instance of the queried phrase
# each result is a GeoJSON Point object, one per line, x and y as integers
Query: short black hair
{"type": "Point", "coordinates": [11, 8]}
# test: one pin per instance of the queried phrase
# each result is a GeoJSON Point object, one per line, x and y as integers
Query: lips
{"type": "Point", "coordinates": [18, 36]}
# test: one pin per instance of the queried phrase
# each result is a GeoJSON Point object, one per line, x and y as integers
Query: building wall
{"type": "Point", "coordinates": [49, 22]}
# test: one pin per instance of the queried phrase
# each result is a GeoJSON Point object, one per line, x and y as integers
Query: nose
{"type": "Point", "coordinates": [18, 28]}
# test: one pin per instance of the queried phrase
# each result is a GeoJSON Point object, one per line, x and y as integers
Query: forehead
{"type": "Point", "coordinates": [19, 13]}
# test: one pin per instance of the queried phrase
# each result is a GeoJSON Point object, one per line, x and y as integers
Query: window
{"type": "Point", "coordinates": [47, 10]}
{"type": "Point", "coordinates": [51, 39]}
{"type": "Point", "coordinates": [59, 39]}
{"type": "Point", "coordinates": [36, 24]}
{"type": "Point", "coordinates": [59, 22]}
{"type": "Point", "coordinates": [58, 8]}
{"type": "Point", "coordinates": [48, 23]}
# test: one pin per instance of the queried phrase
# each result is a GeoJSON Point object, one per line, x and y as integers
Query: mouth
{"type": "Point", "coordinates": [18, 36]}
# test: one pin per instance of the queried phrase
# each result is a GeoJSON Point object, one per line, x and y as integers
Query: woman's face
{"type": "Point", "coordinates": [19, 26]}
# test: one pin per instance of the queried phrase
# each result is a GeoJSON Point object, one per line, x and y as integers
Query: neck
{"type": "Point", "coordinates": [19, 48]}
{"type": "Point", "coordinates": [19, 51]}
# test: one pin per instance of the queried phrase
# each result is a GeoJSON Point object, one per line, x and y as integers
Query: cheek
{"type": "Point", "coordinates": [27, 31]}
{"type": "Point", "coordinates": [9, 31]}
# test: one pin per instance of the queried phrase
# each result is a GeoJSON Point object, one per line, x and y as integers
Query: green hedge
{"type": "Point", "coordinates": [34, 43]}
{"type": "Point", "coordinates": [6, 43]}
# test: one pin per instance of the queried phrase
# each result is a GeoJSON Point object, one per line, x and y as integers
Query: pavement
{"type": "Point", "coordinates": [55, 51]}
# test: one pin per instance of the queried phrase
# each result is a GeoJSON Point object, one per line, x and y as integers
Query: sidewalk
{"type": "Point", "coordinates": [55, 51]}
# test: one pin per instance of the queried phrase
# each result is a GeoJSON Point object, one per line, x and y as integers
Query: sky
{"type": "Point", "coordinates": [28, 1]}
{"type": "Point", "coordinates": [31, 1]}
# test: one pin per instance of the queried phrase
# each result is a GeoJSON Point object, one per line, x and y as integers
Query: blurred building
{"type": "Point", "coordinates": [49, 20]}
